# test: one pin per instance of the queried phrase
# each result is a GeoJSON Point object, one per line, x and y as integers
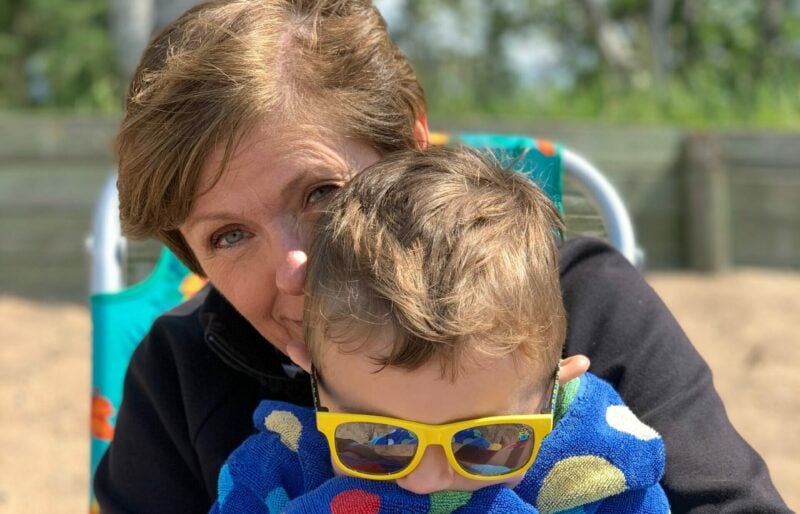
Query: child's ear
{"type": "Point", "coordinates": [421, 132]}
{"type": "Point", "coordinates": [298, 352]}
{"type": "Point", "coordinates": [573, 367]}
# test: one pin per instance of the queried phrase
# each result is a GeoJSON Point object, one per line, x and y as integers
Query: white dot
{"type": "Point", "coordinates": [621, 418]}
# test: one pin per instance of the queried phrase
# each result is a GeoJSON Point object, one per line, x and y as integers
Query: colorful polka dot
{"type": "Point", "coordinates": [277, 500]}
{"type": "Point", "coordinates": [286, 425]}
{"type": "Point", "coordinates": [445, 502]}
{"type": "Point", "coordinates": [566, 396]}
{"type": "Point", "coordinates": [578, 480]}
{"type": "Point", "coordinates": [545, 147]}
{"type": "Point", "coordinates": [355, 501]}
{"type": "Point", "coordinates": [621, 418]}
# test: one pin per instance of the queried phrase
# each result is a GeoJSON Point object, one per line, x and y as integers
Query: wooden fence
{"type": "Point", "coordinates": [704, 201]}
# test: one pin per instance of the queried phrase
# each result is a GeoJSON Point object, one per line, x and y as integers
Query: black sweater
{"type": "Point", "coordinates": [196, 378]}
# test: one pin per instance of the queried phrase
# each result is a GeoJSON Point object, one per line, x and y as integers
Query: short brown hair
{"type": "Point", "coordinates": [451, 252]}
{"type": "Point", "coordinates": [208, 77]}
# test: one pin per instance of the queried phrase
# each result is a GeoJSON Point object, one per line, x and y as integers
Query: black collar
{"type": "Point", "coordinates": [239, 345]}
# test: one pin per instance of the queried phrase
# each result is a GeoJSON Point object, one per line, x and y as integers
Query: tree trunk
{"type": "Point", "coordinates": [168, 10]}
{"type": "Point", "coordinates": [770, 36]}
{"type": "Point", "coordinates": [660, 12]}
{"type": "Point", "coordinates": [131, 27]}
{"type": "Point", "coordinates": [614, 49]}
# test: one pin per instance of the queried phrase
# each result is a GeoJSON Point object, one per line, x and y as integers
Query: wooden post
{"type": "Point", "coordinates": [707, 204]}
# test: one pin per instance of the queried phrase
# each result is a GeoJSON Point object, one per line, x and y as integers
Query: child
{"type": "Point", "coordinates": [434, 327]}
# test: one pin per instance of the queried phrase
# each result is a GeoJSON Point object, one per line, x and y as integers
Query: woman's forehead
{"type": "Point", "coordinates": [270, 148]}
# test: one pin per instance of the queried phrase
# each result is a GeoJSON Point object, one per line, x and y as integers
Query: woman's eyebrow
{"type": "Point", "coordinates": [293, 184]}
{"type": "Point", "coordinates": [319, 156]}
{"type": "Point", "coordinates": [204, 218]}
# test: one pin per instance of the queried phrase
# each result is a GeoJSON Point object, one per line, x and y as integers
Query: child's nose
{"type": "Point", "coordinates": [434, 473]}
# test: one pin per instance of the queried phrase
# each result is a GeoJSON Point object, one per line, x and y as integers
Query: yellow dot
{"type": "Point", "coordinates": [578, 480]}
{"type": "Point", "coordinates": [286, 425]}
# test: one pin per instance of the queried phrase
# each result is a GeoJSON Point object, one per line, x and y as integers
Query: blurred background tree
{"type": "Point", "coordinates": [57, 54]}
{"type": "Point", "coordinates": [693, 62]}
{"type": "Point", "coordinates": [696, 62]}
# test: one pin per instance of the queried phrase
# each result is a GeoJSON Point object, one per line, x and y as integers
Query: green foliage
{"type": "Point", "coordinates": [694, 62]}
{"type": "Point", "coordinates": [705, 63]}
{"type": "Point", "coordinates": [58, 55]}
{"type": "Point", "coordinates": [701, 103]}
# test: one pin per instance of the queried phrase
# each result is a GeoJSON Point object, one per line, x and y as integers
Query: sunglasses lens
{"type": "Point", "coordinates": [375, 448]}
{"type": "Point", "coordinates": [494, 449]}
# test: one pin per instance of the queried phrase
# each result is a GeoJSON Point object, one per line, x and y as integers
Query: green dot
{"type": "Point", "coordinates": [445, 502]}
{"type": "Point", "coordinates": [565, 397]}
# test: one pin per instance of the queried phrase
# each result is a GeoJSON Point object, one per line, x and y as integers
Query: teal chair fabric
{"type": "Point", "coordinates": [540, 159]}
{"type": "Point", "coordinates": [119, 321]}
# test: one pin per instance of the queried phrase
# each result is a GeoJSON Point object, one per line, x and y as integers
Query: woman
{"type": "Point", "coordinates": [240, 120]}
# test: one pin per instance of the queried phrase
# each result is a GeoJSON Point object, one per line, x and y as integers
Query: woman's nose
{"type": "Point", "coordinates": [291, 273]}
{"type": "Point", "coordinates": [434, 473]}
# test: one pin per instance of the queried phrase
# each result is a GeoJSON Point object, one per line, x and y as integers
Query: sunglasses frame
{"type": "Point", "coordinates": [427, 435]}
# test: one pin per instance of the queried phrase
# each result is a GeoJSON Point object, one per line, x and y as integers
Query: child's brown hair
{"type": "Point", "coordinates": [448, 253]}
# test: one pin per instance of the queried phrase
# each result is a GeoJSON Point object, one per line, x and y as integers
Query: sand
{"type": "Point", "coordinates": [744, 323]}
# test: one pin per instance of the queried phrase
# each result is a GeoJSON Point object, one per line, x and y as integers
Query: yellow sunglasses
{"type": "Point", "coordinates": [384, 448]}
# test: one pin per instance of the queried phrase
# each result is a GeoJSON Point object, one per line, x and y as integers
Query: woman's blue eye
{"type": "Point", "coordinates": [229, 238]}
{"type": "Point", "coordinates": [321, 193]}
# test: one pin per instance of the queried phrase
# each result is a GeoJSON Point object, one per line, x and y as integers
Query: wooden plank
{"type": "Point", "coordinates": [36, 187]}
{"type": "Point", "coordinates": [586, 226]}
{"type": "Point", "coordinates": [777, 247]}
{"type": "Point", "coordinates": [761, 149]}
{"type": "Point", "coordinates": [779, 177]}
{"type": "Point", "coordinates": [617, 171]}
{"type": "Point", "coordinates": [142, 256]}
{"type": "Point", "coordinates": [575, 200]}
{"type": "Point", "coordinates": [635, 185]}
{"type": "Point", "coordinates": [56, 137]}
{"type": "Point", "coordinates": [654, 207]}
{"type": "Point", "coordinates": [765, 192]}
{"type": "Point", "coordinates": [642, 143]}
{"type": "Point", "coordinates": [772, 201]}
{"type": "Point", "coordinates": [581, 216]}
{"type": "Point", "coordinates": [663, 252]}
{"type": "Point", "coordinates": [660, 237]}
{"type": "Point", "coordinates": [660, 196]}
{"type": "Point", "coordinates": [57, 281]}
{"type": "Point", "coordinates": [46, 238]}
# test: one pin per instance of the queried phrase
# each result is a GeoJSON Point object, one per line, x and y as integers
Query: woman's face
{"type": "Point", "coordinates": [250, 231]}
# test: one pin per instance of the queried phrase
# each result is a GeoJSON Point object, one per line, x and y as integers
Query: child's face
{"type": "Point", "coordinates": [353, 383]}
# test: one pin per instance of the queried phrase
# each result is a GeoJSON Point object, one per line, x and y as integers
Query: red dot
{"type": "Point", "coordinates": [355, 501]}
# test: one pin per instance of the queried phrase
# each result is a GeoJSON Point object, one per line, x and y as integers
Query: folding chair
{"type": "Point", "coordinates": [121, 315]}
